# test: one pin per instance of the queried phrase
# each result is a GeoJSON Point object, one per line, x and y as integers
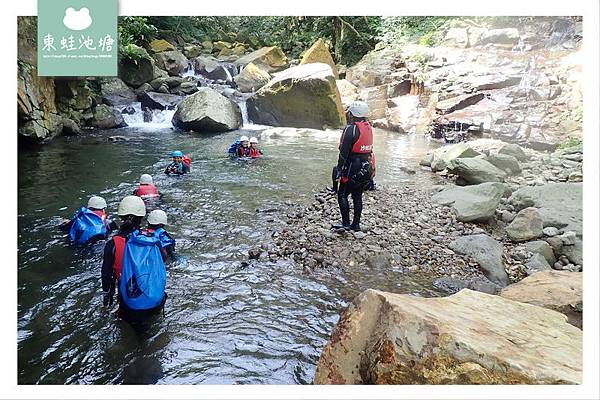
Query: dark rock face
{"type": "Point", "coordinates": [159, 101]}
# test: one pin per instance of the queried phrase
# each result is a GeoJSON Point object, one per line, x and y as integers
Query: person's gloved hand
{"type": "Point", "coordinates": [107, 299]}
{"type": "Point", "coordinates": [338, 175]}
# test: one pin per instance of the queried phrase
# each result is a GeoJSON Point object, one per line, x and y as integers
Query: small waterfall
{"type": "Point", "coordinates": [244, 110]}
{"type": "Point", "coordinates": [189, 71]}
{"type": "Point", "coordinates": [159, 118]}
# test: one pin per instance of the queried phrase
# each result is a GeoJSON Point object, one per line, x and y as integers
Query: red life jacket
{"type": "Point", "coordinates": [147, 191]}
{"type": "Point", "coordinates": [254, 152]}
{"type": "Point", "coordinates": [102, 214]}
{"type": "Point", "coordinates": [364, 144]}
{"type": "Point", "coordinates": [120, 243]}
{"type": "Point", "coordinates": [187, 159]}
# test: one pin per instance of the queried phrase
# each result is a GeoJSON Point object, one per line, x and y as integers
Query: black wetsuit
{"type": "Point", "coordinates": [177, 169]}
{"type": "Point", "coordinates": [347, 163]}
{"type": "Point", "coordinates": [110, 282]}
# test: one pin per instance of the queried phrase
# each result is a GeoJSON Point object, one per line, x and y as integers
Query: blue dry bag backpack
{"type": "Point", "coordinates": [165, 240]}
{"type": "Point", "coordinates": [86, 225]}
{"type": "Point", "coordinates": [233, 148]}
{"type": "Point", "coordinates": [144, 275]}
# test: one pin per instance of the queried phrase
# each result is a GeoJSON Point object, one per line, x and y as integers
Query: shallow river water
{"type": "Point", "coordinates": [226, 321]}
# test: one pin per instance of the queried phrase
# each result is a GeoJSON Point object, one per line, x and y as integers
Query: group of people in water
{"type": "Point", "coordinates": [134, 258]}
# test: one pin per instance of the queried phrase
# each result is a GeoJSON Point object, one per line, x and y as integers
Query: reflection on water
{"type": "Point", "coordinates": [226, 321]}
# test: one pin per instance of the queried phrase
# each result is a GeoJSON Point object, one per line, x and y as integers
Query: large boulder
{"type": "Point", "coordinates": [402, 113]}
{"type": "Point", "coordinates": [348, 92]}
{"type": "Point", "coordinates": [443, 156]}
{"type": "Point", "coordinates": [138, 69]}
{"type": "Point", "coordinates": [159, 101]}
{"type": "Point", "coordinates": [375, 68]}
{"type": "Point", "coordinates": [467, 338]}
{"type": "Point", "coordinates": [472, 203]}
{"type": "Point", "coordinates": [105, 117]}
{"type": "Point", "coordinates": [527, 225]}
{"type": "Point", "coordinates": [487, 252]}
{"type": "Point", "coordinates": [376, 98]}
{"type": "Point", "coordinates": [271, 59]}
{"type": "Point", "coordinates": [305, 96]}
{"type": "Point", "coordinates": [173, 61]}
{"type": "Point", "coordinates": [160, 45]}
{"type": "Point", "coordinates": [456, 37]}
{"type": "Point", "coordinates": [319, 53]}
{"type": "Point", "coordinates": [506, 163]}
{"type": "Point", "coordinates": [560, 204]}
{"type": "Point", "coordinates": [557, 290]}
{"type": "Point", "coordinates": [207, 111]}
{"type": "Point", "coordinates": [252, 78]}
{"type": "Point", "coordinates": [210, 68]}
{"type": "Point", "coordinates": [475, 170]}
{"type": "Point", "coordinates": [514, 150]}
{"type": "Point", "coordinates": [506, 36]}
{"type": "Point", "coordinates": [115, 92]}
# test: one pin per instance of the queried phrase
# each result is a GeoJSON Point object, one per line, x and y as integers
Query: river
{"type": "Point", "coordinates": [226, 321]}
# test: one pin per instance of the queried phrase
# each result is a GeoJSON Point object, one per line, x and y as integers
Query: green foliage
{"type": "Point", "coordinates": [571, 141]}
{"type": "Point", "coordinates": [134, 31]}
{"type": "Point", "coordinates": [401, 30]}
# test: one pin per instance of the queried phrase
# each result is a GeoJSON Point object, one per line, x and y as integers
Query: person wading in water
{"type": "Point", "coordinates": [355, 166]}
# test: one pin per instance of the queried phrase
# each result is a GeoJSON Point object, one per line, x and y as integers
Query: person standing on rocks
{"type": "Point", "coordinates": [355, 164]}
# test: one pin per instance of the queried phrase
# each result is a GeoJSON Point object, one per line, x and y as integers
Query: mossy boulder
{"type": "Point", "coordinates": [174, 62]}
{"type": "Point", "coordinates": [137, 68]}
{"type": "Point", "coordinates": [271, 59]}
{"type": "Point", "coordinates": [105, 117]}
{"type": "Point", "coordinates": [252, 78]}
{"type": "Point", "coordinates": [319, 53]}
{"type": "Point", "coordinates": [160, 45]}
{"type": "Point", "coordinates": [305, 96]}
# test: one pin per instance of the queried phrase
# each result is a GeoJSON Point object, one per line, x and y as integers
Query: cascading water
{"type": "Point", "coordinates": [149, 118]}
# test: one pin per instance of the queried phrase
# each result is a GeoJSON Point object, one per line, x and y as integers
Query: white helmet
{"type": "Point", "coordinates": [244, 139]}
{"type": "Point", "coordinates": [359, 109]}
{"type": "Point", "coordinates": [253, 140]}
{"type": "Point", "coordinates": [96, 202]}
{"type": "Point", "coordinates": [146, 179]}
{"type": "Point", "coordinates": [157, 217]}
{"type": "Point", "coordinates": [132, 205]}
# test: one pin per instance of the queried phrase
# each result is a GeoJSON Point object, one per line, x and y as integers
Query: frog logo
{"type": "Point", "coordinates": [77, 20]}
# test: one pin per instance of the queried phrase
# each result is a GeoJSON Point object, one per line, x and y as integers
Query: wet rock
{"type": "Point", "coordinates": [376, 98]}
{"type": "Point", "coordinates": [476, 170]}
{"type": "Point", "coordinates": [560, 204]}
{"type": "Point", "coordinates": [254, 254]}
{"type": "Point", "coordinates": [115, 92]}
{"type": "Point", "coordinates": [556, 290]}
{"type": "Point", "coordinates": [207, 111]}
{"type": "Point", "coordinates": [105, 117]}
{"type": "Point", "coordinates": [385, 338]}
{"type": "Point", "coordinates": [568, 238]}
{"type": "Point", "coordinates": [527, 225]}
{"type": "Point", "coordinates": [70, 127]}
{"type": "Point", "coordinates": [487, 252]}
{"type": "Point", "coordinates": [173, 61]}
{"type": "Point", "coordinates": [472, 203]}
{"type": "Point", "coordinates": [160, 101]}
{"type": "Point", "coordinates": [305, 96]}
